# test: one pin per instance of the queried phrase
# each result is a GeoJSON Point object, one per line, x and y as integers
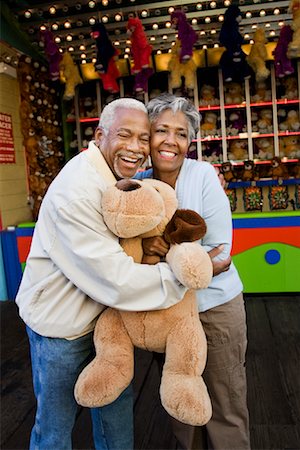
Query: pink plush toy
{"type": "Point", "coordinates": [52, 52]}
{"type": "Point", "coordinates": [141, 52]}
{"type": "Point", "coordinates": [283, 65]}
{"type": "Point", "coordinates": [186, 34]}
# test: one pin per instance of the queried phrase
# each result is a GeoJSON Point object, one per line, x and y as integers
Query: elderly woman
{"type": "Point", "coordinates": [174, 123]}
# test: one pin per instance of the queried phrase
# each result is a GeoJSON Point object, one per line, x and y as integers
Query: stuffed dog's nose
{"type": "Point", "coordinates": [127, 185]}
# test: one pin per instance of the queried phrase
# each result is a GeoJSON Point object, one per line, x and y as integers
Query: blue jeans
{"type": "Point", "coordinates": [56, 364]}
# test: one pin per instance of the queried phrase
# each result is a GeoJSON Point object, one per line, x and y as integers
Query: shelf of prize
{"type": "Point", "coordinates": [284, 101]}
{"type": "Point", "coordinates": [245, 136]}
{"type": "Point", "coordinates": [84, 120]}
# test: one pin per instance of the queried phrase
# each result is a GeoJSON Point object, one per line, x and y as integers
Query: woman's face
{"type": "Point", "coordinates": [169, 141]}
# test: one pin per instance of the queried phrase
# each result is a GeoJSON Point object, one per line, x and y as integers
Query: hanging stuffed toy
{"type": "Point", "coordinates": [70, 73]}
{"type": "Point", "coordinates": [52, 52]}
{"type": "Point", "coordinates": [105, 64]}
{"type": "Point", "coordinates": [283, 64]}
{"type": "Point", "coordinates": [180, 69]}
{"type": "Point", "coordinates": [258, 56]}
{"type": "Point", "coordinates": [294, 46]}
{"type": "Point", "coordinates": [141, 52]}
{"type": "Point", "coordinates": [186, 35]}
{"type": "Point", "coordinates": [233, 61]}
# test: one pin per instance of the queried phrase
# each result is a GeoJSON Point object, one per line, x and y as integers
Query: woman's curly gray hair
{"type": "Point", "coordinates": [169, 101]}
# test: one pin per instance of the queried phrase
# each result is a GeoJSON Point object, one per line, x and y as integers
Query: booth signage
{"type": "Point", "coordinates": [7, 149]}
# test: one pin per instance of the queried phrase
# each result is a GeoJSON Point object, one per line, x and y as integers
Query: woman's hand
{"type": "Point", "coordinates": [155, 246]}
{"type": "Point", "coordinates": [219, 266]}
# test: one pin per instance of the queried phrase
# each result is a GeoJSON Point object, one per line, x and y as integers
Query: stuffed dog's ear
{"type": "Point", "coordinates": [185, 226]}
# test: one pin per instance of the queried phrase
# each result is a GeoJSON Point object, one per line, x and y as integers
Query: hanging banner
{"type": "Point", "coordinates": [7, 149]}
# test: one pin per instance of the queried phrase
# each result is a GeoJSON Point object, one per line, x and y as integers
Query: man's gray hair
{"type": "Point", "coordinates": [108, 114]}
{"type": "Point", "coordinates": [169, 101]}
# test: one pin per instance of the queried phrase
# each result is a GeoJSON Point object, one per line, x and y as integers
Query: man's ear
{"type": "Point", "coordinates": [98, 135]}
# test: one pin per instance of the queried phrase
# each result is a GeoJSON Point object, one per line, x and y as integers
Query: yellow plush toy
{"type": "Point", "coordinates": [289, 146]}
{"type": "Point", "coordinates": [209, 125]}
{"type": "Point", "coordinates": [237, 150]}
{"type": "Point", "coordinates": [258, 55]}
{"type": "Point", "coordinates": [181, 69]}
{"type": "Point", "coordinates": [134, 209]}
{"type": "Point", "coordinates": [294, 45]}
{"type": "Point", "coordinates": [70, 75]}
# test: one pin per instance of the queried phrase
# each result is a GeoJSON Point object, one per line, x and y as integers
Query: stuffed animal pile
{"type": "Point", "coordinates": [258, 55]}
{"type": "Point", "coordinates": [234, 94]}
{"type": "Point", "coordinates": [233, 61]}
{"type": "Point", "coordinates": [186, 34]}
{"type": "Point", "coordinates": [178, 69]}
{"type": "Point", "coordinates": [70, 74]}
{"type": "Point", "coordinates": [141, 52]}
{"type": "Point", "coordinates": [106, 59]}
{"type": "Point", "coordinates": [134, 209]}
{"type": "Point", "coordinates": [283, 64]}
{"type": "Point", "coordinates": [208, 96]}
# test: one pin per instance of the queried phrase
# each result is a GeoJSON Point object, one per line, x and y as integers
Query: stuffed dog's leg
{"type": "Point", "coordinates": [101, 384]}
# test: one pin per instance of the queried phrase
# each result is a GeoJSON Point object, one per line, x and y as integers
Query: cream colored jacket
{"type": "Point", "coordinates": [76, 266]}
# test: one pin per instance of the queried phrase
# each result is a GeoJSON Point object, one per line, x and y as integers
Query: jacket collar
{"type": "Point", "coordinates": [95, 156]}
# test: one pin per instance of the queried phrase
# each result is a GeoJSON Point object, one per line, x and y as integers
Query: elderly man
{"type": "Point", "coordinates": [75, 268]}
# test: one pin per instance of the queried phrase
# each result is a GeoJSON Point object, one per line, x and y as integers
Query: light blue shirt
{"type": "Point", "coordinates": [198, 188]}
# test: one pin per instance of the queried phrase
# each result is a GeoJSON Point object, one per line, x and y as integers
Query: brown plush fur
{"type": "Point", "coordinates": [176, 331]}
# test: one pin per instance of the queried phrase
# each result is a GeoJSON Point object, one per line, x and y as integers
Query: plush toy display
{"type": "Point", "coordinates": [290, 85]}
{"type": "Point", "coordinates": [141, 52]}
{"type": "Point", "coordinates": [292, 121]}
{"type": "Point", "coordinates": [132, 210]}
{"type": "Point", "coordinates": [209, 125]}
{"type": "Point", "coordinates": [233, 61]}
{"type": "Point", "coordinates": [237, 150]}
{"type": "Point", "coordinates": [106, 58]}
{"type": "Point", "coordinates": [52, 52]}
{"type": "Point", "coordinates": [264, 123]}
{"type": "Point", "coordinates": [294, 45]}
{"type": "Point", "coordinates": [289, 147]}
{"type": "Point", "coordinates": [186, 34]}
{"type": "Point", "coordinates": [208, 96]}
{"type": "Point", "coordinates": [264, 148]}
{"type": "Point", "coordinates": [258, 55]}
{"type": "Point", "coordinates": [179, 69]}
{"type": "Point", "coordinates": [234, 94]}
{"type": "Point", "coordinates": [237, 124]}
{"type": "Point", "coordinates": [261, 92]}
{"type": "Point", "coordinates": [70, 73]}
{"type": "Point", "coordinates": [283, 64]}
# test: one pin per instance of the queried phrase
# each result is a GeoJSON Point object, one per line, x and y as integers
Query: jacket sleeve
{"type": "Point", "coordinates": [89, 255]}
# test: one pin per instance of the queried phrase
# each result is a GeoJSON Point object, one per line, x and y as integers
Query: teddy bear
{"type": "Point", "coordinates": [249, 172]}
{"type": "Point", "coordinates": [186, 34]}
{"type": "Point", "coordinates": [233, 60]}
{"type": "Point", "coordinates": [294, 45]}
{"type": "Point", "coordinates": [290, 85]}
{"type": "Point", "coordinates": [234, 94]}
{"type": "Point", "coordinates": [264, 125]}
{"type": "Point", "coordinates": [134, 209]}
{"type": "Point", "coordinates": [261, 92]}
{"type": "Point", "coordinates": [209, 125]}
{"type": "Point", "coordinates": [71, 75]}
{"type": "Point", "coordinates": [292, 121]}
{"type": "Point", "coordinates": [237, 150]}
{"type": "Point", "coordinates": [107, 54]}
{"type": "Point", "coordinates": [228, 171]}
{"type": "Point", "coordinates": [237, 124]}
{"type": "Point", "coordinates": [208, 96]}
{"type": "Point", "coordinates": [258, 55]}
{"type": "Point", "coordinates": [179, 69]}
{"type": "Point", "coordinates": [283, 64]}
{"type": "Point", "coordinates": [141, 52]}
{"type": "Point", "coordinates": [278, 170]}
{"type": "Point", "coordinates": [264, 148]}
{"type": "Point", "coordinates": [52, 52]}
{"type": "Point", "coordinates": [289, 146]}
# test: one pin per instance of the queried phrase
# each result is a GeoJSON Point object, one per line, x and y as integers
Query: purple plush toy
{"type": "Point", "coordinates": [283, 65]}
{"type": "Point", "coordinates": [52, 52]}
{"type": "Point", "coordinates": [186, 34]}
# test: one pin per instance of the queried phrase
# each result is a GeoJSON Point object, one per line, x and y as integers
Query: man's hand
{"type": "Point", "coordinates": [155, 246]}
{"type": "Point", "coordinates": [219, 266]}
